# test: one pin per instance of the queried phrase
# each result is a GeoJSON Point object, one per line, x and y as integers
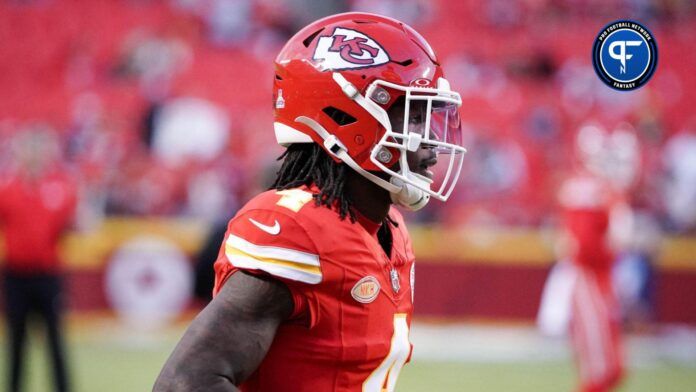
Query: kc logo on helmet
{"type": "Point", "coordinates": [348, 49]}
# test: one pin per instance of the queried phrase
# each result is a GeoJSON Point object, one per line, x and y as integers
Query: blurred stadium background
{"type": "Point", "coordinates": [163, 109]}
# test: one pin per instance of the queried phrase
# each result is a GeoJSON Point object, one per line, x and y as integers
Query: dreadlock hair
{"type": "Point", "coordinates": [307, 164]}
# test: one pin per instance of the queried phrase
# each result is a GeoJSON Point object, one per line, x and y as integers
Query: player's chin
{"type": "Point", "coordinates": [423, 171]}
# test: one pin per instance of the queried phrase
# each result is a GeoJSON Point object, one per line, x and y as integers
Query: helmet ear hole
{"type": "Point", "coordinates": [404, 63]}
{"type": "Point", "coordinates": [339, 116]}
{"type": "Point", "coordinates": [311, 37]}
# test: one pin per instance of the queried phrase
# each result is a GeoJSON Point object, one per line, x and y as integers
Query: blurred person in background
{"type": "Point", "coordinates": [634, 273]}
{"type": "Point", "coordinates": [37, 202]}
{"type": "Point", "coordinates": [205, 258]}
{"type": "Point", "coordinates": [596, 223]}
{"type": "Point", "coordinates": [314, 279]}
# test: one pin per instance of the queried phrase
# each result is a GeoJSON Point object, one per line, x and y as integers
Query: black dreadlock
{"type": "Point", "coordinates": [307, 164]}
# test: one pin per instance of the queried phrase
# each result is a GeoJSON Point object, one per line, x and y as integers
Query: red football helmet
{"type": "Point", "coordinates": [612, 155]}
{"type": "Point", "coordinates": [335, 81]}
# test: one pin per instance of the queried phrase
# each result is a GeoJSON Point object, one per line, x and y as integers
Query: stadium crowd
{"type": "Point", "coordinates": [162, 106]}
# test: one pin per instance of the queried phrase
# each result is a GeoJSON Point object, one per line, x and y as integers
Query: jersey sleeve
{"type": "Point", "coordinates": [274, 243]}
{"type": "Point", "coordinates": [271, 243]}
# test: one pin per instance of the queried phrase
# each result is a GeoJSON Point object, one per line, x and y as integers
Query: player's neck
{"type": "Point", "coordinates": [371, 200]}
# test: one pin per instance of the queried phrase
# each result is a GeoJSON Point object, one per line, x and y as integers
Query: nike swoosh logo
{"type": "Point", "coordinates": [272, 230]}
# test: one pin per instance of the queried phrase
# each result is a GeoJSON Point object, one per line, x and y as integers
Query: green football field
{"type": "Point", "coordinates": [110, 359]}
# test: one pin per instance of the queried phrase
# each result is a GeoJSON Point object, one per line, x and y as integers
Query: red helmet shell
{"type": "Point", "coordinates": [363, 48]}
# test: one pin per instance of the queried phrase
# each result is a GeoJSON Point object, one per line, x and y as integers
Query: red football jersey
{"type": "Point", "coordinates": [353, 304]}
{"type": "Point", "coordinates": [587, 201]}
{"type": "Point", "coordinates": [33, 216]}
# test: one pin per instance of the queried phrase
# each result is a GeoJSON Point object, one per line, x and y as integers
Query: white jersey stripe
{"type": "Point", "coordinates": [273, 252]}
{"type": "Point", "coordinates": [592, 329]}
{"type": "Point", "coordinates": [281, 262]}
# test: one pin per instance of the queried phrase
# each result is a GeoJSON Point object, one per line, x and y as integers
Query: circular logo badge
{"type": "Point", "coordinates": [624, 55]}
{"type": "Point", "coordinates": [149, 281]}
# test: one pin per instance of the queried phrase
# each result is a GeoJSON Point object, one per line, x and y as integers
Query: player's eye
{"type": "Point", "coordinates": [416, 118]}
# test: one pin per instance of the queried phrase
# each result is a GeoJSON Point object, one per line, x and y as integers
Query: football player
{"type": "Point", "coordinates": [595, 217]}
{"type": "Point", "coordinates": [314, 280]}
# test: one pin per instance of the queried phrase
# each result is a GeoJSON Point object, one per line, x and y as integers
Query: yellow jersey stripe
{"type": "Point", "coordinates": [233, 252]}
{"type": "Point", "coordinates": [272, 252]}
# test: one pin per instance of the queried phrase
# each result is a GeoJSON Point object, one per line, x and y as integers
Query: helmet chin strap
{"type": "Point", "coordinates": [401, 193]}
{"type": "Point", "coordinates": [410, 196]}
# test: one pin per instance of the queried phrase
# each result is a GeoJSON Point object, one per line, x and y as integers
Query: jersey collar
{"type": "Point", "coordinates": [368, 224]}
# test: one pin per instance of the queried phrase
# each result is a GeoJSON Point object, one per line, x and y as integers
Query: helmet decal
{"type": "Point", "coordinates": [348, 49]}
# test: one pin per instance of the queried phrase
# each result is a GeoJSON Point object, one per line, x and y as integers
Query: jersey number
{"type": "Point", "coordinates": [293, 199]}
{"type": "Point", "coordinates": [383, 379]}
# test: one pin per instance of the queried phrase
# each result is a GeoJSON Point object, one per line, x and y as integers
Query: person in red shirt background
{"type": "Point", "coordinates": [595, 216]}
{"type": "Point", "coordinates": [37, 204]}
